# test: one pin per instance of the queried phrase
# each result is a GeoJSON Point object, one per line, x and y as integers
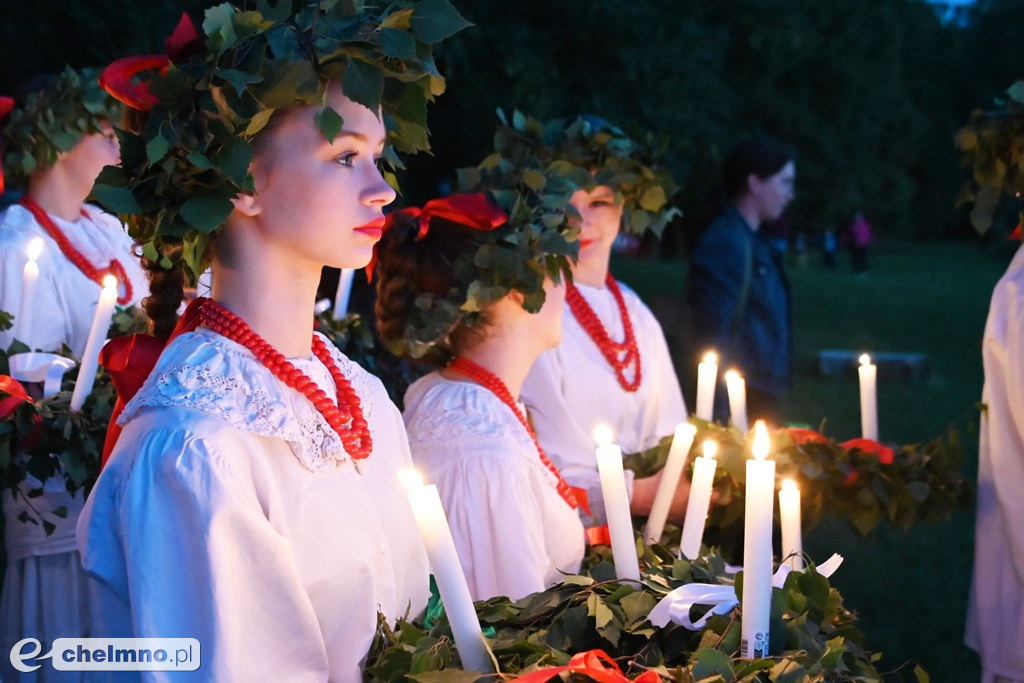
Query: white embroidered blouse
{"type": "Point", "coordinates": [514, 533]}
{"type": "Point", "coordinates": [230, 512]}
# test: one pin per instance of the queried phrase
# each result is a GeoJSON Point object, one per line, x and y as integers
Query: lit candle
{"type": "Point", "coordinates": [616, 505]}
{"type": "Point", "coordinates": [868, 398]}
{"type": "Point", "coordinates": [344, 292]}
{"type": "Point", "coordinates": [97, 335]}
{"type": "Point", "coordinates": [29, 277]}
{"type": "Point", "coordinates": [673, 469]}
{"type": "Point", "coordinates": [792, 535]}
{"type": "Point", "coordinates": [707, 377]}
{"type": "Point", "coordinates": [700, 498]}
{"type": "Point", "coordinates": [737, 389]}
{"type": "Point", "coordinates": [757, 548]}
{"type": "Point", "coordinates": [444, 565]}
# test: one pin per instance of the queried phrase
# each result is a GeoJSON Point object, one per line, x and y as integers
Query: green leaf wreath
{"type": "Point", "coordinates": [54, 119]}
{"type": "Point", "coordinates": [179, 173]}
{"type": "Point", "coordinates": [814, 637]}
{"type": "Point", "coordinates": [861, 480]}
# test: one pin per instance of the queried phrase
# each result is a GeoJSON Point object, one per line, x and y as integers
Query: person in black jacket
{"type": "Point", "coordinates": [737, 289]}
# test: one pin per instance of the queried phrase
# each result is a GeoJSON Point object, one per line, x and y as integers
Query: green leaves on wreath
{"type": "Point", "coordinates": [180, 173]}
{"type": "Point", "coordinates": [814, 636]}
{"type": "Point", "coordinates": [992, 146]}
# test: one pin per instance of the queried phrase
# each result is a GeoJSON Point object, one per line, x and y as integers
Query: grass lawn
{"type": "Point", "coordinates": [910, 589]}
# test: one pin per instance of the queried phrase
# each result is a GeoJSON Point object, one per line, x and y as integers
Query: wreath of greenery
{"type": "Point", "coordinates": [605, 155]}
{"type": "Point", "coordinates": [179, 174]}
{"type": "Point", "coordinates": [992, 144]}
{"type": "Point", "coordinates": [813, 636]}
{"type": "Point", "coordinates": [54, 119]}
{"type": "Point", "coordinates": [861, 480]}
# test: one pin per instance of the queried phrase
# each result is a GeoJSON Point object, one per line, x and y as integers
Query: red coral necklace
{"type": "Point", "coordinates": [76, 257]}
{"type": "Point", "coordinates": [349, 411]}
{"type": "Point", "coordinates": [490, 381]}
{"type": "Point", "coordinates": [620, 355]}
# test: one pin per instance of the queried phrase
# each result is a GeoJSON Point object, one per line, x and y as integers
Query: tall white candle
{"type": "Point", "coordinates": [737, 389]}
{"type": "Point", "coordinates": [616, 505]}
{"type": "Point", "coordinates": [700, 499]}
{"type": "Point", "coordinates": [670, 475]}
{"type": "Point", "coordinates": [97, 335]}
{"type": "Point", "coordinates": [757, 548]}
{"type": "Point", "coordinates": [29, 277]}
{"type": "Point", "coordinates": [444, 565]}
{"type": "Point", "coordinates": [341, 297]}
{"type": "Point", "coordinates": [792, 534]}
{"type": "Point", "coordinates": [707, 377]}
{"type": "Point", "coordinates": [868, 398]}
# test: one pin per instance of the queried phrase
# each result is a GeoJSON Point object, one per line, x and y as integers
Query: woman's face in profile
{"type": "Point", "coordinates": [775, 192]}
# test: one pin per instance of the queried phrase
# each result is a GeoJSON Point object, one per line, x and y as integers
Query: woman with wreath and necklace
{"type": "Point", "coordinates": [478, 293]}
{"type": "Point", "coordinates": [612, 366]}
{"type": "Point", "coordinates": [56, 140]}
{"type": "Point", "coordinates": [252, 499]}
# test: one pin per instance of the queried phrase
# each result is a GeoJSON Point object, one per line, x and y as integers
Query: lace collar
{"type": "Point", "coordinates": [209, 373]}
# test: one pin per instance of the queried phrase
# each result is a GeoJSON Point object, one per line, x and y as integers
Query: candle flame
{"type": "Point", "coordinates": [109, 282]}
{"type": "Point", "coordinates": [762, 443]}
{"type": "Point", "coordinates": [710, 449]}
{"type": "Point", "coordinates": [865, 359]}
{"type": "Point", "coordinates": [732, 376]}
{"type": "Point", "coordinates": [35, 248]}
{"type": "Point", "coordinates": [410, 479]}
{"type": "Point", "coordinates": [603, 435]}
{"type": "Point", "coordinates": [789, 485]}
{"type": "Point", "coordinates": [711, 357]}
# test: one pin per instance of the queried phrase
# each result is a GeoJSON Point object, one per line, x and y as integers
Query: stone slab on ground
{"type": "Point", "coordinates": [892, 364]}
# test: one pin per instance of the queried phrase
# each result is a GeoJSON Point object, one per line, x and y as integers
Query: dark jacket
{"type": "Point", "coordinates": [752, 335]}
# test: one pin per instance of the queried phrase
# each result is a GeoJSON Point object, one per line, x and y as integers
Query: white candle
{"type": "Point", "coordinates": [97, 335]}
{"type": "Point", "coordinates": [344, 292]}
{"type": "Point", "coordinates": [792, 534]}
{"type": "Point", "coordinates": [670, 475]}
{"type": "Point", "coordinates": [868, 398]}
{"type": "Point", "coordinates": [757, 548]}
{"type": "Point", "coordinates": [29, 277]}
{"type": "Point", "coordinates": [737, 389]}
{"type": "Point", "coordinates": [707, 377]}
{"type": "Point", "coordinates": [700, 499]}
{"type": "Point", "coordinates": [444, 565]}
{"type": "Point", "coordinates": [616, 506]}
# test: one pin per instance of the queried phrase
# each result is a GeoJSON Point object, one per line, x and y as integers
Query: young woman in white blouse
{"type": "Point", "coordinates": [81, 243]}
{"type": "Point", "coordinates": [512, 514]}
{"type": "Point", "coordinates": [252, 500]}
{"type": "Point", "coordinates": [613, 365]}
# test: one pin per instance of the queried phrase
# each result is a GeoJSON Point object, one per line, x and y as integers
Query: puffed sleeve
{"type": "Point", "coordinates": [497, 523]}
{"type": "Point", "coordinates": [49, 328]}
{"type": "Point", "coordinates": [182, 539]}
{"type": "Point", "coordinates": [1003, 437]}
{"type": "Point", "coordinates": [664, 406]}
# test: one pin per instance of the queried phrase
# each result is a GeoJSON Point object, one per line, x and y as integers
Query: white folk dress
{"type": "Point", "coordinates": [230, 512]}
{"type": "Point", "coordinates": [65, 299]}
{"type": "Point", "coordinates": [514, 532]}
{"type": "Point", "coordinates": [44, 592]}
{"type": "Point", "coordinates": [571, 389]}
{"type": "Point", "coordinates": [995, 616]}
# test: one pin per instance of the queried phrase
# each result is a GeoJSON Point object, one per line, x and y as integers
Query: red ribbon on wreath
{"type": "Point", "coordinates": [473, 210]}
{"type": "Point", "coordinates": [119, 80]}
{"type": "Point", "coordinates": [6, 105]}
{"type": "Point", "coordinates": [595, 664]}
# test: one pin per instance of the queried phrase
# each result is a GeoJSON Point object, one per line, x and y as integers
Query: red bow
{"type": "Point", "coordinates": [474, 210]}
{"type": "Point", "coordinates": [16, 395]}
{"type": "Point", "coordinates": [118, 79]}
{"type": "Point", "coordinates": [130, 359]}
{"type": "Point", "coordinates": [884, 453]}
{"type": "Point", "coordinates": [800, 435]}
{"type": "Point", "coordinates": [595, 664]}
{"type": "Point", "coordinates": [6, 105]}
